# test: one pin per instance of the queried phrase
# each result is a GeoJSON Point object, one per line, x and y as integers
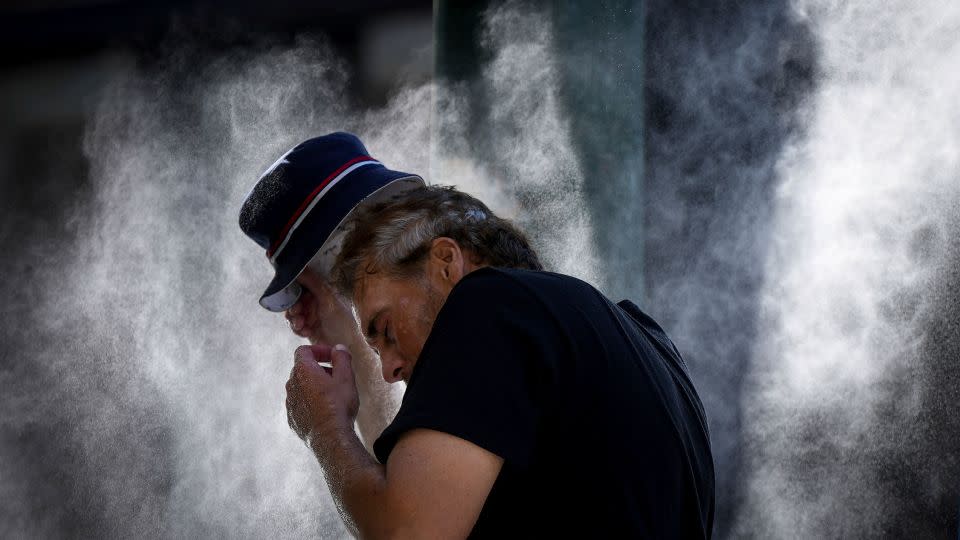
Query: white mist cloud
{"type": "Point", "coordinates": [865, 204]}
{"type": "Point", "coordinates": [531, 173]}
{"type": "Point", "coordinates": [172, 389]}
{"type": "Point", "coordinates": [535, 149]}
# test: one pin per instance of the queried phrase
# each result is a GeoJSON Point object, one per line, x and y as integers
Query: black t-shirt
{"type": "Point", "coordinates": [588, 403]}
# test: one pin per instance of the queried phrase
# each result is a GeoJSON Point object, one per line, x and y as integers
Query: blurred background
{"type": "Point", "coordinates": [776, 182]}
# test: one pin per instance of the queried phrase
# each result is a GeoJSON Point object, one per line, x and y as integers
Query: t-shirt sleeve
{"type": "Point", "coordinates": [486, 372]}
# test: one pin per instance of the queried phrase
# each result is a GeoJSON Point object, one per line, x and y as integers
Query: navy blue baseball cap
{"type": "Point", "coordinates": [299, 206]}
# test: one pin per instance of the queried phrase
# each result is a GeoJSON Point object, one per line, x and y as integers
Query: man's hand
{"type": "Point", "coordinates": [320, 314]}
{"type": "Point", "coordinates": [435, 484]}
{"type": "Point", "coordinates": [323, 317]}
{"type": "Point", "coordinates": [321, 401]}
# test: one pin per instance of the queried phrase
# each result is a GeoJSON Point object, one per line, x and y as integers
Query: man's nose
{"type": "Point", "coordinates": [392, 365]}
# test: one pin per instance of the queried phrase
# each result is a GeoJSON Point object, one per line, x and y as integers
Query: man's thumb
{"type": "Point", "coordinates": [342, 363]}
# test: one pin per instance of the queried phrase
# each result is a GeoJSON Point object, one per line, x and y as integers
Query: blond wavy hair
{"type": "Point", "coordinates": [394, 237]}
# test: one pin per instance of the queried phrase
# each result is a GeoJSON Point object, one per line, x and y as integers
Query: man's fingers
{"type": "Point", "coordinates": [321, 352]}
{"type": "Point", "coordinates": [306, 361]}
{"type": "Point", "coordinates": [302, 327]}
{"type": "Point", "coordinates": [303, 352]}
{"type": "Point", "coordinates": [313, 283]}
{"type": "Point", "coordinates": [290, 421]}
{"type": "Point", "coordinates": [302, 306]}
{"type": "Point", "coordinates": [303, 358]}
{"type": "Point", "coordinates": [342, 364]}
{"type": "Point", "coordinates": [310, 320]}
{"type": "Point", "coordinates": [291, 401]}
{"type": "Point", "coordinates": [296, 323]}
{"type": "Point", "coordinates": [318, 287]}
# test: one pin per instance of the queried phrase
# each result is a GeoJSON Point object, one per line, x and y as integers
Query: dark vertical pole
{"type": "Point", "coordinates": [457, 32]}
{"type": "Point", "coordinates": [599, 47]}
{"type": "Point", "coordinates": [459, 60]}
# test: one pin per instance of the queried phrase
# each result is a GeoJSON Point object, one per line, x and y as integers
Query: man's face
{"type": "Point", "coordinates": [396, 316]}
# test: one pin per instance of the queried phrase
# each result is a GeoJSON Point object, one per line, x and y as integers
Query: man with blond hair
{"type": "Point", "coordinates": [533, 405]}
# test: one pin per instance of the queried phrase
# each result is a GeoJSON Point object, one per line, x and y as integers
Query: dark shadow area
{"type": "Point", "coordinates": [724, 84]}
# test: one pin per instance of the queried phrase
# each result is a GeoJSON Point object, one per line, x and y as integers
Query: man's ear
{"type": "Point", "coordinates": [446, 260]}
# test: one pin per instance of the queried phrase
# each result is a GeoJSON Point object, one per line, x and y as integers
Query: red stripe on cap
{"type": "Point", "coordinates": [306, 202]}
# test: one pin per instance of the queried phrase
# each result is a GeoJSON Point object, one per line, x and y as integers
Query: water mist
{"type": "Point", "coordinates": [864, 207]}
{"type": "Point", "coordinates": [801, 211]}
{"type": "Point", "coordinates": [165, 378]}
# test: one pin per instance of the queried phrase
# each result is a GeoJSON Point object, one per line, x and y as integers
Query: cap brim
{"type": "Point", "coordinates": [284, 291]}
{"type": "Point", "coordinates": [283, 299]}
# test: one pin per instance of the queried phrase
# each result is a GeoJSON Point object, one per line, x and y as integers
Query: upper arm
{"type": "Point", "coordinates": [437, 484]}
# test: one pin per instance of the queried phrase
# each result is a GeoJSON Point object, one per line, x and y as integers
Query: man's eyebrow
{"type": "Point", "coordinates": [372, 325]}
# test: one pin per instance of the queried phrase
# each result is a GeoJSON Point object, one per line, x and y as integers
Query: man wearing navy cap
{"type": "Point", "coordinates": [533, 405]}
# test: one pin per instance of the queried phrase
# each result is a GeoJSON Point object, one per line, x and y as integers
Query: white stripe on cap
{"type": "Point", "coordinates": [348, 170]}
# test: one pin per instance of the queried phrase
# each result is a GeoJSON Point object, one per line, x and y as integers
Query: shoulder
{"type": "Point", "coordinates": [498, 282]}
{"type": "Point", "coordinates": [531, 301]}
{"type": "Point", "coordinates": [493, 299]}
{"type": "Point", "coordinates": [485, 294]}
{"type": "Point", "coordinates": [488, 285]}
{"type": "Point", "coordinates": [508, 289]}
{"type": "Point", "coordinates": [490, 276]}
